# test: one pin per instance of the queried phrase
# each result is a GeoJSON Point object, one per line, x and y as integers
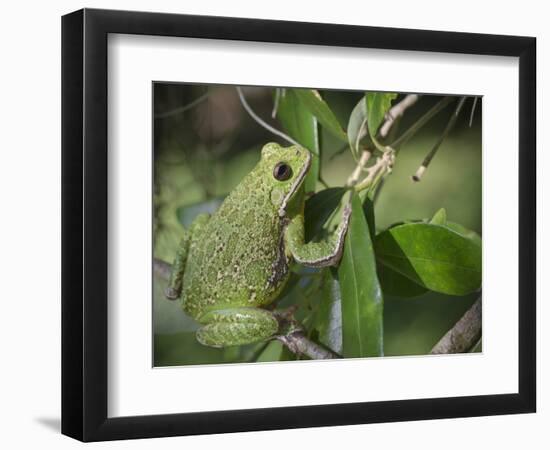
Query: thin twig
{"type": "Point", "coordinates": [353, 179]}
{"type": "Point", "coordinates": [450, 125]}
{"type": "Point", "coordinates": [298, 344]}
{"type": "Point", "coordinates": [421, 122]}
{"type": "Point", "coordinates": [473, 111]}
{"type": "Point", "coordinates": [397, 111]}
{"type": "Point", "coordinates": [464, 335]}
{"type": "Point", "coordinates": [182, 109]}
{"type": "Point", "coordinates": [260, 121]}
{"type": "Point", "coordinates": [276, 103]}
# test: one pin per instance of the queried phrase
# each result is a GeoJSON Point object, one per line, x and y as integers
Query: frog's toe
{"type": "Point", "coordinates": [170, 293]}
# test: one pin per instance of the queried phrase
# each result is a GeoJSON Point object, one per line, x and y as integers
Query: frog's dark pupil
{"type": "Point", "coordinates": [282, 171]}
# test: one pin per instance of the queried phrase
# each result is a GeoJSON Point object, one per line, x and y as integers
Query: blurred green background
{"type": "Point", "coordinates": [204, 143]}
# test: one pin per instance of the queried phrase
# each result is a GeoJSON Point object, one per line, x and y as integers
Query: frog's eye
{"type": "Point", "coordinates": [282, 171]}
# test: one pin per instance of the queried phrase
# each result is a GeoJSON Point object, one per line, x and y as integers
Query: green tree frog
{"type": "Point", "coordinates": [232, 264]}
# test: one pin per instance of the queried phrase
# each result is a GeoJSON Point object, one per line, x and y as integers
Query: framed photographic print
{"type": "Point", "coordinates": [274, 224]}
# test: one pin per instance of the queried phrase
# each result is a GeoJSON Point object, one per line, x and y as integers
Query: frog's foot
{"type": "Point", "coordinates": [236, 326]}
{"type": "Point", "coordinates": [171, 293]}
{"type": "Point", "coordinates": [287, 323]}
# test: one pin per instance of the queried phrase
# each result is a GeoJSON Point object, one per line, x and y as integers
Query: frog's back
{"type": "Point", "coordinates": [237, 258]}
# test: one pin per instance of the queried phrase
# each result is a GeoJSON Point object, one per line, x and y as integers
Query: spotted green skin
{"type": "Point", "coordinates": [233, 263]}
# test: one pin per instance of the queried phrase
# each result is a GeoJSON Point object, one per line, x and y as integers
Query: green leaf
{"type": "Point", "coordinates": [328, 321]}
{"type": "Point", "coordinates": [272, 352]}
{"type": "Point", "coordinates": [318, 209]}
{"type": "Point", "coordinates": [362, 302]}
{"type": "Point", "coordinates": [300, 124]}
{"type": "Point", "coordinates": [311, 99]}
{"type": "Point", "coordinates": [368, 210]}
{"type": "Point", "coordinates": [432, 255]}
{"type": "Point", "coordinates": [378, 103]}
{"type": "Point", "coordinates": [463, 231]}
{"type": "Point", "coordinates": [393, 283]}
{"type": "Point", "coordinates": [440, 217]}
{"type": "Point", "coordinates": [357, 125]}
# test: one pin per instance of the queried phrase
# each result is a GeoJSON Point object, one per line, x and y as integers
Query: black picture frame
{"type": "Point", "coordinates": [84, 224]}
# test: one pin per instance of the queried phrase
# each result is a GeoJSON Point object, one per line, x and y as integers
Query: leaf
{"type": "Point", "coordinates": [357, 125]}
{"type": "Point", "coordinates": [311, 99]}
{"type": "Point", "coordinates": [393, 283]}
{"type": "Point", "coordinates": [328, 321]}
{"type": "Point", "coordinates": [432, 255]}
{"type": "Point", "coordinates": [378, 103]}
{"type": "Point", "coordinates": [272, 352]}
{"type": "Point", "coordinates": [368, 210]}
{"type": "Point", "coordinates": [362, 302]}
{"type": "Point", "coordinates": [463, 231]}
{"type": "Point", "coordinates": [440, 217]}
{"type": "Point", "coordinates": [300, 124]}
{"type": "Point", "coordinates": [318, 209]}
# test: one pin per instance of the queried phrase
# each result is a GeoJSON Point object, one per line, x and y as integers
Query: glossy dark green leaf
{"type": "Point", "coordinates": [318, 209]}
{"type": "Point", "coordinates": [395, 284]}
{"type": "Point", "coordinates": [378, 104]}
{"type": "Point", "coordinates": [328, 321]}
{"type": "Point", "coordinates": [357, 125]}
{"type": "Point", "coordinates": [362, 301]}
{"type": "Point", "coordinates": [368, 210]}
{"type": "Point", "coordinates": [320, 109]}
{"type": "Point", "coordinates": [301, 125]}
{"type": "Point", "coordinates": [431, 255]}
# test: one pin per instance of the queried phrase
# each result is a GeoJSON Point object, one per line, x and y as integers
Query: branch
{"type": "Point", "coordinates": [464, 335]}
{"type": "Point", "coordinates": [299, 344]}
{"type": "Point", "coordinates": [397, 111]}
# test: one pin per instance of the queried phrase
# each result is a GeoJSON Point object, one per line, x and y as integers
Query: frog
{"type": "Point", "coordinates": [232, 265]}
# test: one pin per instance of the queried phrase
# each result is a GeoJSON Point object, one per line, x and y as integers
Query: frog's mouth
{"type": "Point", "coordinates": [296, 183]}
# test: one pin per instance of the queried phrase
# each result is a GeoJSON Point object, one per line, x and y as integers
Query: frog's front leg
{"type": "Point", "coordinates": [236, 326]}
{"type": "Point", "coordinates": [316, 254]}
{"type": "Point", "coordinates": [173, 290]}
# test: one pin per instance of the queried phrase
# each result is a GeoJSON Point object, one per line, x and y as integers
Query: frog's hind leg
{"type": "Point", "coordinates": [173, 290]}
{"type": "Point", "coordinates": [236, 326]}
